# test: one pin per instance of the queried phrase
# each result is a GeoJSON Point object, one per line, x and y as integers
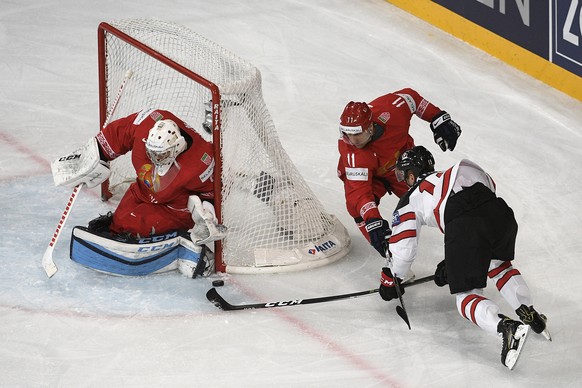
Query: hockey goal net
{"type": "Point", "coordinates": [275, 223]}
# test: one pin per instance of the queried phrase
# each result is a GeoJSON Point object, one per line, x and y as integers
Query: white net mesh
{"type": "Point", "coordinates": [274, 221]}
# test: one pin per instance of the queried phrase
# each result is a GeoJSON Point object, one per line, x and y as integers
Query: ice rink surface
{"type": "Point", "coordinates": [85, 329]}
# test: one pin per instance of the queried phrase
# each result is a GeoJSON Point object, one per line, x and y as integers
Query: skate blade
{"type": "Point", "coordinates": [513, 355]}
{"type": "Point", "coordinates": [546, 334]}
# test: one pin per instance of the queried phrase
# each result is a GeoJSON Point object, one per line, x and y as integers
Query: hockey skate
{"type": "Point", "coordinates": [514, 334]}
{"type": "Point", "coordinates": [536, 321]}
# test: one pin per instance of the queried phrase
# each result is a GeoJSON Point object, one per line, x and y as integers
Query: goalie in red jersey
{"type": "Point", "coordinates": [169, 205]}
{"type": "Point", "coordinates": [372, 137]}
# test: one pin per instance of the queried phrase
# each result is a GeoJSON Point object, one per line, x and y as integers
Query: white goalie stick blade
{"type": "Point", "coordinates": [48, 263]}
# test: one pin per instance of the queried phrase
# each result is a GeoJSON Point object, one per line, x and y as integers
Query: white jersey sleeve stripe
{"type": "Point", "coordinates": [444, 195]}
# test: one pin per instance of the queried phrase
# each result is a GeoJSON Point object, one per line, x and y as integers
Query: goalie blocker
{"type": "Point", "coordinates": [104, 252]}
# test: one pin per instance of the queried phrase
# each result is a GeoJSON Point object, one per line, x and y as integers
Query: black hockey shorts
{"type": "Point", "coordinates": [479, 227]}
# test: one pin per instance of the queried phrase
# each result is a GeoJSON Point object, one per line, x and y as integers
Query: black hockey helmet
{"type": "Point", "coordinates": [419, 160]}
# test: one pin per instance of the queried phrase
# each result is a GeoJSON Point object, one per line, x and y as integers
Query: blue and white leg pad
{"type": "Point", "coordinates": [154, 254]}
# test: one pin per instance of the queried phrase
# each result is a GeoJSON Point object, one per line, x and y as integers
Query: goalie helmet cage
{"type": "Point", "coordinates": [275, 223]}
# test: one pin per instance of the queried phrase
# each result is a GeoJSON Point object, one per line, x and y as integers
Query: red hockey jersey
{"type": "Point", "coordinates": [155, 204]}
{"type": "Point", "coordinates": [368, 173]}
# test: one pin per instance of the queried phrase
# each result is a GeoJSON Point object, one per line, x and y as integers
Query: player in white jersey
{"type": "Point", "coordinates": [479, 233]}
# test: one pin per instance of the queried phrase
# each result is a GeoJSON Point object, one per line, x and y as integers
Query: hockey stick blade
{"type": "Point", "coordinates": [402, 313]}
{"type": "Point", "coordinates": [400, 309]}
{"type": "Point", "coordinates": [213, 296]}
{"type": "Point", "coordinates": [48, 263]}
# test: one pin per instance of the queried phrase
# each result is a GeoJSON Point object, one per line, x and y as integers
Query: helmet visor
{"type": "Point", "coordinates": [399, 174]}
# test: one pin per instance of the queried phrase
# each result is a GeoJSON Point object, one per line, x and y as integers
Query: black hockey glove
{"type": "Point", "coordinates": [446, 131]}
{"type": "Point", "coordinates": [101, 224]}
{"type": "Point", "coordinates": [440, 275]}
{"type": "Point", "coordinates": [379, 232]}
{"type": "Point", "coordinates": [388, 286]}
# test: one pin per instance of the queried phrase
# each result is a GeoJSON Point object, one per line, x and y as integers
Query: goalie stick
{"type": "Point", "coordinates": [213, 296]}
{"type": "Point", "coordinates": [48, 262]}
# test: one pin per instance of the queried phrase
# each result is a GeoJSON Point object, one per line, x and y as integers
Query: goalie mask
{"type": "Point", "coordinates": [164, 144]}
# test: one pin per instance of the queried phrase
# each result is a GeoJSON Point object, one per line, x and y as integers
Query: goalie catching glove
{"type": "Point", "coordinates": [206, 227]}
{"type": "Point", "coordinates": [446, 131]}
{"type": "Point", "coordinates": [84, 165]}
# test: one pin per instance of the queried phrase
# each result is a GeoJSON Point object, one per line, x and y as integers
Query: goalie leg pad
{"type": "Point", "coordinates": [202, 266]}
{"type": "Point", "coordinates": [139, 257]}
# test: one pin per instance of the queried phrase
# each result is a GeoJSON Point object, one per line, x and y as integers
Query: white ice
{"type": "Point", "coordinates": [84, 329]}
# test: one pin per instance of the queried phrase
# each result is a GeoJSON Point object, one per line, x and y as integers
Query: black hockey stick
{"type": "Point", "coordinates": [213, 296]}
{"type": "Point", "coordinates": [400, 309]}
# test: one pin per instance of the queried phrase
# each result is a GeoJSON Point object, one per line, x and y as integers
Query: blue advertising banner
{"type": "Point", "coordinates": [523, 22]}
{"type": "Point", "coordinates": [567, 34]}
{"type": "Point", "coordinates": [543, 38]}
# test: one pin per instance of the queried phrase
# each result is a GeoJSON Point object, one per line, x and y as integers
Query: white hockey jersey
{"type": "Point", "coordinates": [425, 204]}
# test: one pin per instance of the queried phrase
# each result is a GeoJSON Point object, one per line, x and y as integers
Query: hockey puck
{"type": "Point", "coordinates": [218, 283]}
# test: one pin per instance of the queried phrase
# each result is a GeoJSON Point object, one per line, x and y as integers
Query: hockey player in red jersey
{"type": "Point", "coordinates": [372, 136]}
{"type": "Point", "coordinates": [172, 193]}
{"type": "Point", "coordinates": [479, 234]}
{"type": "Point", "coordinates": [157, 201]}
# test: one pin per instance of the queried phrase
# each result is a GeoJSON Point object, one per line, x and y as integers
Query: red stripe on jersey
{"type": "Point", "coordinates": [408, 216]}
{"type": "Point", "coordinates": [402, 235]}
{"type": "Point", "coordinates": [445, 189]}
{"type": "Point", "coordinates": [102, 140]}
{"type": "Point", "coordinates": [508, 275]}
{"type": "Point", "coordinates": [496, 271]}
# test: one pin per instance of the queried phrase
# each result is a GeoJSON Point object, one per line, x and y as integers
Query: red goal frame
{"type": "Point", "coordinates": [105, 28]}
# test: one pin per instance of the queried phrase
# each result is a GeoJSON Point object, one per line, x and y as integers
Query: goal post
{"type": "Point", "coordinates": [275, 222]}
